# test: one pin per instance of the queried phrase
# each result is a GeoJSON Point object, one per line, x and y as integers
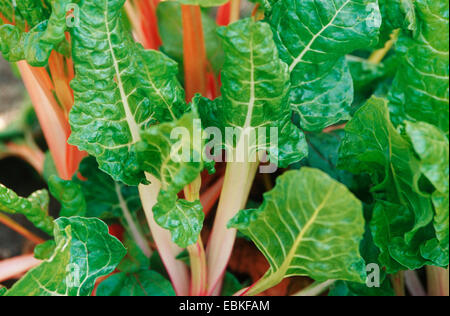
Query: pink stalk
{"type": "Point", "coordinates": [177, 270]}
{"type": "Point", "coordinates": [14, 267]}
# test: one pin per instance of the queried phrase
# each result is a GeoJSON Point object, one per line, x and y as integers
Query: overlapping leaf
{"type": "Point", "coordinates": [104, 195]}
{"type": "Point", "coordinates": [308, 225]}
{"type": "Point", "coordinates": [69, 195]}
{"type": "Point", "coordinates": [313, 37]}
{"type": "Point", "coordinates": [141, 283]}
{"type": "Point", "coordinates": [119, 89]}
{"type": "Point", "coordinates": [403, 214]}
{"type": "Point", "coordinates": [255, 83]}
{"type": "Point", "coordinates": [420, 91]}
{"type": "Point", "coordinates": [172, 152]}
{"type": "Point", "coordinates": [84, 252]}
{"type": "Point", "coordinates": [36, 45]}
{"type": "Point", "coordinates": [35, 207]}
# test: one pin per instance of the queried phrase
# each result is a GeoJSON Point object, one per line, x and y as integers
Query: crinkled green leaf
{"type": "Point", "coordinates": [421, 88]}
{"type": "Point", "coordinates": [104, 195]}
{"type": "Point", "coordinates": [35, 207]}
{"type": "Point", "coordinates": [119, 90]}
{"type": "Point", "coordinates": [172, 152]}
{"type": "Point", "coordinates": [389, 224]}
{"type": "Point", "coordinates": [313, 37]}
{"type": "Point", "coordinates": [431, 145]}
{"type": "Point", "coordinates": [373, 146]}
{"type": "Point", "coordinates": [171, 31]}
{"type": "Point", "coordinates": [397, 14]}
{"type": "Point", "coordinates": [308, 225]}
{"type": "Point", "coordinates": [69, 195]}
{"type": "Point", "coordinates": [36, 45]}
{"type": "Point", "coordinates": [142, 283]}
{"type": "Point", "coordinates": [255, 83]}
{"type": "Point", "coordinates": [203, 3]}
{"type": "Point", "coordinates": [441, 220]}
{"type": "Point", "coordinates": [45, 250]}
{"type": "Point", "coordinates": [84, 252]}
{"type": "Point", "coordinates": [182, 218]}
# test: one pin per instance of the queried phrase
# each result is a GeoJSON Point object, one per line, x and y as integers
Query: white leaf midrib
{"type": "Point", "coordinates": [315, 37]}
{"type": "Point", "coordinates": [133, 126]}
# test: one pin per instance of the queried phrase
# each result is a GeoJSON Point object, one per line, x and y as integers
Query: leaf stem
{"type": "Point", "coordinates": [438, 281]}
{"type": "Point", "coordinates": [194, 51]}
{"type": "Point", "coordinates": [378, 55]}
{"type": "Point", "coordinates": [167, 249]}
{"type": "Point", "coordinates": [13, 267]}
{"type": "Point", "coordinates": [239, 178]}
{"type": "Point", "coordinates": [235, 11]}
{"type": "Point", "coordinates": [398, 283]}
{"type": "Point", "coordinates": [133, 228]}
{"type": "Point", "coordinates": [7, 221]}
{"type": "Point", "coordinates": [413, 284]}
{"type": "Point", "coordinates": [199, 272]}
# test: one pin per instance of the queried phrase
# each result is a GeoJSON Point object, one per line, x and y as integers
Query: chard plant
{"type": "Point", "coordinates": [306, 141]}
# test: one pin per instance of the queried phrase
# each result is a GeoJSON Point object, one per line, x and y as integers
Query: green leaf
{"type": "Point", "coordinates": [3, 290]}
{"type": "Point", "coordinates": [84, 252]}
{"type": "Point", "coordinates": [171, 31]}
{"type": "Point", "coordinates": [45, 250]}
{"type": "Point", "coordinates": [432, 147]}
{"type": "Point", "coordinates": [36, 45]}
{"type": "Point", "coordinates": [255, 83]}
{"type": "Point", "coordinates": [135, 260]}
{"type": "Point", "coordinates": [70, 195]}
{"type": "Point", "coordinates": [104, 195]}
{"type": "Point", "coordinates": [113, 90]}
{"type": "Point", "coordinates": [142, 283]}
{"type": "Point", "coordinates": [313, 37]}
{"type": "Point", "coordinates": [372, 145]}
{"type": "Point", "coordinates": [308, 225]}
{"type": "Point", "coordinates": [203, 3]}
{"type": "Point", "coordinates": [175, 163]}
{"type": "Point", "coordinates": [420, 90]}
{"type": "Point", "coordinates": [231, 285]}
{"type": "Point", "coordinates": [342, 288]}
{"type": "Point", "coordinates": [35, 207]}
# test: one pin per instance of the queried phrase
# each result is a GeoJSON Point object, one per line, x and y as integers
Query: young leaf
{"type": "Point", "coordinates": [142, 283]}
{"type": "Point", "coordinates": [36, 45]}
{"type": "Point", "coordinates": [255, 83]}
{"type": "Point", "coordinates": [103, 194]}
{"type": "Point", "coordinates": [372, 145]}
{"type": "Point", "coordinates": [313, 37]}
{"type": "Point", "coordinates": [431, 145]}
{"type": "Point", "coordinates": [84, 252]}
{"type": "Point", "coordinates": [115, 80]}
{"type": "Point", "coordinates": [308, 225]}
{"type": "Point", "coordinates": [35, 207]}
{"type": "Point", "coordinates": [69, 195]}
{"type": "Point", "coordinates": [420, 90]}
{"type": "Point", "coordinates": [175, 163]}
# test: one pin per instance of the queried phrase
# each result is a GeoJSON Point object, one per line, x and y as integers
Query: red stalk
{"type": "Point", "coordinates": [52, 119]}
{"type": "Point", "coordinates": [149, 23]}
{"type": "Point", "coordinates": [195, 62]}
{"type": "Point", "coordinates": [223, 14]}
